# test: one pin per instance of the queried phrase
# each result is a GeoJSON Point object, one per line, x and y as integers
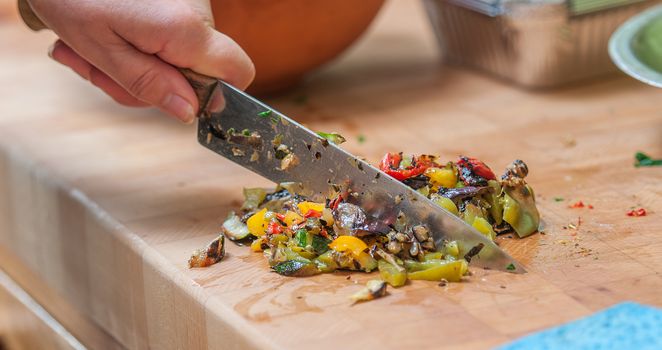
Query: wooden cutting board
{"type": "Point", "coordinates": [100, 205]}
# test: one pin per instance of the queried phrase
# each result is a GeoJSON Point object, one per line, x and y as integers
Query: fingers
{"type": "Point", "coordinates": [63, 54]}
{"type": "Point", "coordinates": [147, 78]}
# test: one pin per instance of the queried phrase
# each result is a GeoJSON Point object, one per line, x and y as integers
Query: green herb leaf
{"type": "Point", "coordinates": [333, 137]}
{"type": "Point", "coordinates": [320, 244]}
{"type": "Point", "coordinates": [246, 132]}
{"type": "Point", "coordinates": [264, 114]}
{"type": "Point", "coordinates": [642, 159]}
{"type": "Point", "coordinates": [510, 267]}
{"type": "Point", "coordinates": [360, 139]}
{"type": "Point", "coordinates": [558, 199]}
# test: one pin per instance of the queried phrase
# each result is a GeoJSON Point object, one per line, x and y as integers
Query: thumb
{"type": "Point", "coordinates": [220, 56]}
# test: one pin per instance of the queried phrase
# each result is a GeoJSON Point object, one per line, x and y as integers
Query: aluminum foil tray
{"type": "Point", "coordinates": [535, 44]}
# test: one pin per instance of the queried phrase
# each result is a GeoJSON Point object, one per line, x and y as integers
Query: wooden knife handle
{"type": "Point", "coordinates": [29, 17]}
{"type": "Point", "coordinates": [210, 97]}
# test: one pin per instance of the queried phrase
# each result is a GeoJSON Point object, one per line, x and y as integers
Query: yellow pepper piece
{"type": "Point", "coordinates": [446, 203]}
{"type": "Point", "coordinates": [484, 227]}
{"type": "Point", "coordinates": [452, 249]}
{"type": "Point", "coordinates": [367, 262]}
{"type": "Point", "coordinates": [257, 224]}
{"type": "Point", "coordinates": [450, 271]}
{"type": "Point", "coordinates": [511, 211]}
{"type": "Point", "coordinates": [442, 177]}
{"type": "Point", "coordinates": [391, 274]}
{"type": "Point", "coordinates": [256, 245]}
{"type": "Point", "coordinates": [348, 243]}
{"type": "Point", "coordinates": [327, 215]}
{"type": "Point", "coordinates": [292, 218]}
{"type": "Point", "coordinates": [304, 207]}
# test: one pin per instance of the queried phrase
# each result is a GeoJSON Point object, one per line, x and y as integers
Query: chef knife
{"type": "Point", "coordinates": [267, 142]}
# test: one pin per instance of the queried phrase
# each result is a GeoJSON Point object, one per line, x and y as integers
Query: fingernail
{"type": "Point", "coordinates": [50, 49]}
{"type": "Point", "coordinates": [179, 107]}
{"type": "Point", "coordinates": [216, 102]}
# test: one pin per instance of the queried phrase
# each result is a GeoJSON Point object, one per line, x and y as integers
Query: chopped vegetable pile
{"type": "Point", "coordinates": [469, 189]}
{"type": "Point", "coordinates": [300, 237]}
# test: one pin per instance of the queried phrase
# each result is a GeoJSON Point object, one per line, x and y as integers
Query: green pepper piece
{"type": "Point", "coordinates": [327, 259]}
{"type": "Point", "coordinates": [494, 199]}
{"type": "Point", "coordinates": [392, 275]}
{"type": "Point", "coordinates": [301, 237]}
{"type": "Point", "coordinates": [253, 197]}
{"type": "Point", "coordinates": [451, 271]}
{"type": "Point", "coordinates": [433, 256]}
{"type": "Point", "coordinates": [520, 210]}
{"type": "Point", "coordinates": [296, 268]}
{"type": "Point", "coordinates": [320, 244]}
{"type": "Point", "coordinates": [332, 137]}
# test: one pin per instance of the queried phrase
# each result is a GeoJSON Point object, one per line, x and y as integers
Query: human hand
{"type": "Point", "coordinates": [129, 49]}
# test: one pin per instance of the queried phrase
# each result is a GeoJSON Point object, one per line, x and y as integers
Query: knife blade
{"type": "Point", "coordinates": [265, 141]}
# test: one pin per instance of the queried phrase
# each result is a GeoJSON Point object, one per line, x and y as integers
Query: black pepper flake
{"type": "Point", "coordinates": [318, 155]}
{"type": "Point", "coordinates": [217, 131]}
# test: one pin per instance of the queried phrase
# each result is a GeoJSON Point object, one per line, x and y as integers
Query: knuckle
{"type": "Point", "coordinates": [143, 84]}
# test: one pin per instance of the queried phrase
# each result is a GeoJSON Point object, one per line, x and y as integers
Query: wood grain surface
{"type": "Point", "coordinates": [103, 204]}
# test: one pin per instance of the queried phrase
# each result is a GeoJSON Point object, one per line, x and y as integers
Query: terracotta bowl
{"type": "Point", "coordinates": [287, 38]}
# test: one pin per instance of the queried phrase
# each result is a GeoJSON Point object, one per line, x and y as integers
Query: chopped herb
{"type": "Point", "coordinates": [642, 159]}
{"type": "Point", "coordinates": [275, 119]}
{"type": "Point", "coordinates": [246, 132]}
{"type": "Point", "coordinates": [333, 137]}
{"type": "Point", "coordinates": [360, 139]}
{"type": "Point", "coordinates": [510, 267]}
{"type": "Point", "coordinates": [264, 114]}
{"type": "Point", "coordinates": [558, 199]}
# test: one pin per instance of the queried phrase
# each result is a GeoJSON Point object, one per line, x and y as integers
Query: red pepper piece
{"type": "Point", "coordinates": [312, 214]}
{"type": "Point", "coordinates": [390, 164]}
{"type": "Point", "coordinates": [274, 228]}
{"type": "Point", "coordinates": [637, 212]}
{"type": "Point", "coordinates": [479, 168]}
{"type": "Point", "coordinates": [579, 204]}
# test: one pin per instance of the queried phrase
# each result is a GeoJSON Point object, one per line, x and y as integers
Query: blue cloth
{"type": "Point", "coordinates": [624, 326]}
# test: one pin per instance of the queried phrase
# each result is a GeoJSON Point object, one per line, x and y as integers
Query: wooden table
{"type": "Point", "coordinates": [100, 205]}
